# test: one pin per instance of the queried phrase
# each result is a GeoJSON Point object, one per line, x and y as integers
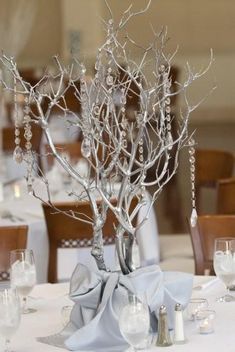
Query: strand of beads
{"type": "Point", "coordinates": [193, 218]}
{"type": "Point", "coordinates": [18, 152]}
{"type": "Point", "coordinates": [86, 142]}
{"type": "Point", "coordinates": [166, 115]}
{"type": "Point", "coordinates": [141, 141]}
{"type": "Point", "coordinates": [167, 102]}
{"type": "Point", "coordinates": [28, 146]}
{"type": "Point", "coordinates": [123, 118]}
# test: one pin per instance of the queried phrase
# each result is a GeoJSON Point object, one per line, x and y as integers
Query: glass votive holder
{"type": "Point", "coordinates": [195, 305]}
{"type": "Point", "coordinates": [65, 314]}
{"type": "Point", "coordinates": [206, 320]}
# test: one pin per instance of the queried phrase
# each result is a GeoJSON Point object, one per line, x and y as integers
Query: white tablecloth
{"type": "Point", "coordinates": [51, 298]}
{"type": "Point", "coordinates": [29, 210]}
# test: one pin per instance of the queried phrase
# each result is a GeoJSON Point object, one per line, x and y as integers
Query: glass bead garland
{"type": "Point", "coordinates": [193, 217]}
{"type": "Point", "coordinates": [28, 146]}
{"type": "Point", "coordinates": [18, 152]}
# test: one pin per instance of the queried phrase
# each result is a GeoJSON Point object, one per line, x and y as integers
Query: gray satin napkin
{"type": "Point", "coordinates": [100, 297]}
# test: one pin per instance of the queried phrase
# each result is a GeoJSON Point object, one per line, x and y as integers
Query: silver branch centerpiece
{"type": "Point", "coordinates": [119, 148]}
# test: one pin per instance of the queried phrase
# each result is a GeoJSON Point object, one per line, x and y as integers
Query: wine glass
{"type": "Point", "coordinates": [134, 323]}
{"type": "Point", "coordinates": [224, 264]}
{"type": "Point", "coordinates": [9, 315]}
{"type": "Point", "coordinates": [23, 274]}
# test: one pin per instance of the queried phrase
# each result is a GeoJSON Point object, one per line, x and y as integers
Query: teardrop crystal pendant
{"type": "Point", "coordinates": [30, 189]}
{"type": "Point", "coordinates": [86, 147]}
{"type": "Point", "coordinates": [18, 155]}
{"type": "Point", "coordinates": [193, 218]}
{"type": "Point", "coordinates": [169, 140]}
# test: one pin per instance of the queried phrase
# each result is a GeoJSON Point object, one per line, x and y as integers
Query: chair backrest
{"type": "Point", "coordinates": [67, 232]}
{"type": "Point", "coordinates": [11, 237]}
{"type": "Point", "coordinates": [72, 149]}
{"type": "Point", "coordinates": [211, 165]}
{"type": "Point", "coordinates": [226, 196]}
{"type": "Point", "coordinates": [203, 235]}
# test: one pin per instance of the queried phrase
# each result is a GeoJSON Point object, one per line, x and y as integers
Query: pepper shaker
{"type": "Point", "coordinates": [179, 337]}
{"type": "Point", "coordinates": [163, 338]}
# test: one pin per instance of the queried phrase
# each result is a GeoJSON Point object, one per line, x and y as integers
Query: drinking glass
{"type": "Point", "coordinates": [23, 275]}
{"type": "Point", "coordinates": [134, 323]}
{"type": "Point", "coordinates": [9, 315]}
{"type": "Point", "coordinates": [224, 264]}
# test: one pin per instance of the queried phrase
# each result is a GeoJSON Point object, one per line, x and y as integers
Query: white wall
{"type": "Point", "coordinates": [196, 26]}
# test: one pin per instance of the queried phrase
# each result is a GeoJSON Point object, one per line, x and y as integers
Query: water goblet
{"type": "Point", "coordinates": [23, 275]}
{"type": "Point", "coordinates": [134, 323]}
{"type": "Point", "coordinates": [9, 315]}
{"type": "Point", "coordinates": [224, 264]}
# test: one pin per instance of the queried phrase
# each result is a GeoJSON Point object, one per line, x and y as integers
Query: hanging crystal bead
{"type": "Point", "coordinates": [17, 132]}
{"type": "Point", "coordinates": [168, 101]}
{"type": "Point", "coordinates": [86, 147]}
{"type": "Point", "coordinates": [168, 109]}
{"type": "Point", "coordinates": [162, 68]}
{"type": "Point", "coordinates": [109, 80]}
{"type": "Point", "coordinates": [18, 155]}
{"type": "Point", "coordinates": [30, 188]}
{"type": "Point", "coordinates": [169, 140]}
{"type": "Point", "coordinates": [97, 63]}
{"type": "Point", "coordinates": [27, 109]}
{"type": "Point", "coordinates": [27, 118]}
{"type": "Point", "coordinates": [168, 117]}
{"type": "Point", "coordinates": [123, 99]}
{"type": "Point", "coordinates": [83, 69]}
{"type": "Point", "coordinates": [28, 145]}
{"type": "Point", "coordinates": [28, 134]}
{"type": "Point", "coordinates": [96, 110]}
{"type": "Point", "coordinates": [193, 218]}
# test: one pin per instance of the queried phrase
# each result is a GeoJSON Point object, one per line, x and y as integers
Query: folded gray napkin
{"type": "Point", "coordinates": [100, 297]}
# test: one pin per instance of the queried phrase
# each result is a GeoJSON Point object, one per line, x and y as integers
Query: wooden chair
{"type": "Point", "coordinates": [226, 196]}
{"type": "Point", "coordinates": [211, 165]}
{"type": "Point", "coordinates": [66, 232]}
{"type": "Point", "coordinates": [11, 237]}
{"type": "Point", "coordinates": [72, 149]}
{"type": "Point", "coordinates": [203, 235]}
{"type": "Point", "coordinates": [70, 100]}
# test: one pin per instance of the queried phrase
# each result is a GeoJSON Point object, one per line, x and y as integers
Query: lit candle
{"type": "Point", "coordinates": [17, 190]}
{"type": "Point", "coordinates": [206, 324]}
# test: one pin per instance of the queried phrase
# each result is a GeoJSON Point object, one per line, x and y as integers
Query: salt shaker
{"type": "Point", "coordinates": [179, 337]}
{"type": "Point", "coordinates": [163, 338]}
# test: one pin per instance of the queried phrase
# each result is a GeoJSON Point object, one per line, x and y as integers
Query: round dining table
{"type": "Point", "coordinates": [49, 299]}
